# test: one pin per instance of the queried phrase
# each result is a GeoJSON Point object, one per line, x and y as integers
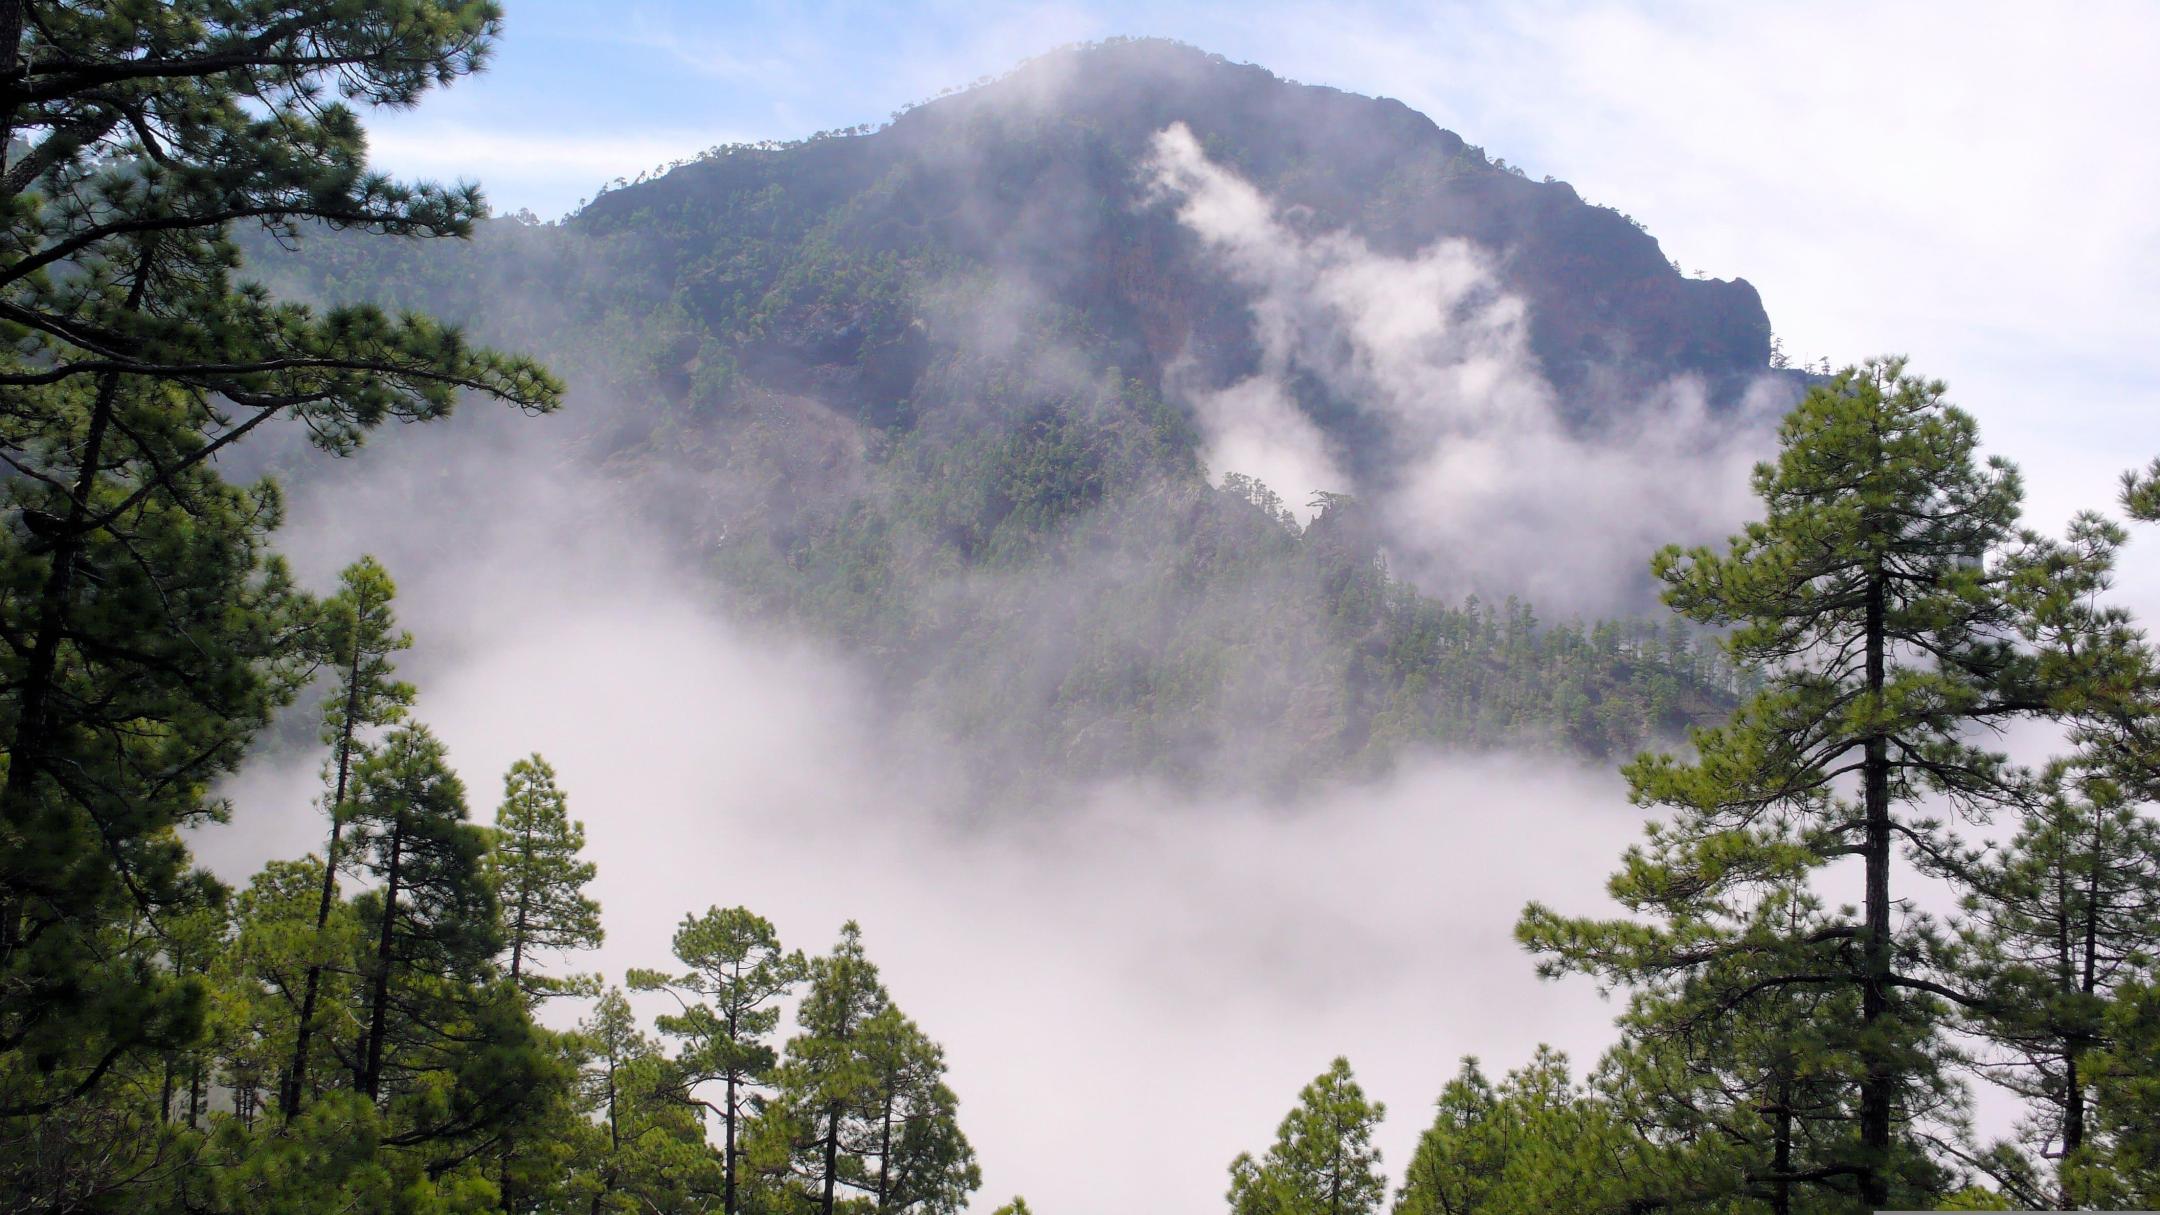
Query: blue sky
{"type": "Point", "coordinates": [1975, 190]}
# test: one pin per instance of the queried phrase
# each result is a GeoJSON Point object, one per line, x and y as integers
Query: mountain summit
{"type": "Point", "coordinates": [1038, 175]}
{"type": "Point", "coordinates": [1128, 413]}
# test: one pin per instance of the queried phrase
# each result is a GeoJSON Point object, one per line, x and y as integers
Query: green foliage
{"type": "Point", "coordinates": [918, 1159]}
{"type": "Point", "coordinates": [861, 1115]}
{"type": "Point", "coordinates": [2056, 921]}
{"type": "Point", "coordinates": [1887, 595]}
{"type": "Point", "coordinates": [1538, 1142]}
{"type": "Point", "coordinates": [357, 637]}
{"type": "Point", "coordinates": [538, 878]}
{"type": "Point", "coordinates": [1779, 1052]}
{"type": "Point", "coordinates": [2128, 1087]}
{"type": "Point", "coordinates": [358, 633]}
{"type": "Point", "coordinates": [150, 633]}
{"type": "Point", "coordinates": [728, 1011]}
{"type": "Point", "coordinates": [142, 656]}
{"type": "Point", "coordinates": [430, 917]}
{"type": "Point", "coordinates": [642, 1148]}
{"type": "Point", "coordinates": [1322, 1161]}
{"type": "Point", "coordinates": [2141, 493]}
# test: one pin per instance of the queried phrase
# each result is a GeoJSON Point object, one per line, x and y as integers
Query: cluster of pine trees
{"type": "Point", "coordinates": [383, 1049]}
{"type": "Point", "coordinates": [1787, 1049]}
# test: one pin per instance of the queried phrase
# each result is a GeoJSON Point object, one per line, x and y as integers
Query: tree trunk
{"type": "Point", "coordinates": [1335, 1173]}
{"type": "Point", "coordinates": [379, 1005]}
{"type": "Point", "coordinates": [1878, 1079]}
{"type": "Point", "coordinates": [832, 1156]}
{"type": "Point", "coordinates": [608, 1175]}
{"type": "Point", "coordinates": [884, 1162]}
{"type": "Point", "coordinates": [727, 1199]}
{"type": "Point", "coordinates": [524, 915]}
{"type": "Point", "coordinates": [2074, 1049]}
{"type": "Point", "coordinates": [296, 1079]}
{"type": "Point", "coordinates": [1781, 1158]}
{"type": "Point", "coordinates": [517, 959]}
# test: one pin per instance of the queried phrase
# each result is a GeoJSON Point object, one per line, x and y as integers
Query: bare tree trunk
{"type": "Point", "coordinates": [727, 1201]}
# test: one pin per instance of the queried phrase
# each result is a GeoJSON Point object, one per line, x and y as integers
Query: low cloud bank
{"type": "Point", "coordinates": [1131, 989]}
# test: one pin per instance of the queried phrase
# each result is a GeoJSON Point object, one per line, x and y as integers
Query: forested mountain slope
{"type": "Point", "coordinates": [931, 390]}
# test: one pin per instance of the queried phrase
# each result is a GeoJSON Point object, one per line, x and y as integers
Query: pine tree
{"type": "Point", "coordinates": [1886, 599]}
{"type": "Point", "coordinates": [1451, 1171]}
{"type": "Point", "coordinates": [816, 1124]}
{"type": "Point", "coordinates": [923, 1160]}
{"type": "Point", "coordinates": [1322, 1161]}
{"type": "Point", "coordinates": [430, 925]}
{"type": "Point", "coordinates": [644, 1150]}
{"type": "Point", "coordinates": [1537, 1142]}
{"type": "Point", "coordinates": [359, 633]}
{"type": "Point", "coordinates": [539, 879]}
{"type": "Point", "coordinates": [2055, 921]}
{"type": "Point", "coordinates": [179, 632]}
{"type": "Point", "coordinates": [613, 1043]}
{"type": "Point", "coordinates": [2127, 1091]}
{"type": "Point", "coordinates": [276, 943]}
{"type": "Point", "coordinates": [737, 971]}
{"type": "Point", "coordinates": [150, 635]}
{"type": "Point", "coordinates": [1737, 1102]}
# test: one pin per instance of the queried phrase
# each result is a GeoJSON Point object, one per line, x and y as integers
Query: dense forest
{"type": "Point", "coordinates": [402, 1022]}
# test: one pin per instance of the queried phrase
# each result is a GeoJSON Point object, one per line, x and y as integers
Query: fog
{"type": "Point", "coordinates": [1437, 347]}
{"type": "Point", "coordinates": [1131, 989]}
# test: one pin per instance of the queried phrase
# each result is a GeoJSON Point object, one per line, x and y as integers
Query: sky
{"type": "Point", "coordinates": [1975, 191]}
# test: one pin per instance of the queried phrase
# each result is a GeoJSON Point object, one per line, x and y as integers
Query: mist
{"type": "Point", "coordinates": [1436, 348]}
{"type": "Point", "coordinates": [1131, 987]}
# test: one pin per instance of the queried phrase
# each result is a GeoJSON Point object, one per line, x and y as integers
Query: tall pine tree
{"type": "Point", "coordinates": [359, 634]}
{"type": "Point", "coordinates": [1885, 599]}
{"type": "Point", "coordinates": [727, 1013]}
{"type": "Point", "coordinates": [149, 636]}
{"type": "Point", "coordinates": [538, 871]}
{"type": "Point", "coordinates": [1322, 1161]}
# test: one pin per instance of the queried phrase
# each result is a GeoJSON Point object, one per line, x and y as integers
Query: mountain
{"type": "Point", "coordinates": [946, 390]}
{"type": "Point", "coordinates": [1035, 176]}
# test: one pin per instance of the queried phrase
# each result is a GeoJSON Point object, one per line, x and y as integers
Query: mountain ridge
{"type": "Point", "coordinates": [1601, 292]}
{"type": "Point", "coordinates": [933, 392]}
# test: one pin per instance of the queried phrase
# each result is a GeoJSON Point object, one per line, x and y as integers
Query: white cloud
{"type": "Point", "coordinates": [1972, 187]}
{"type": "Point", "coordinates": [1497, 494]}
